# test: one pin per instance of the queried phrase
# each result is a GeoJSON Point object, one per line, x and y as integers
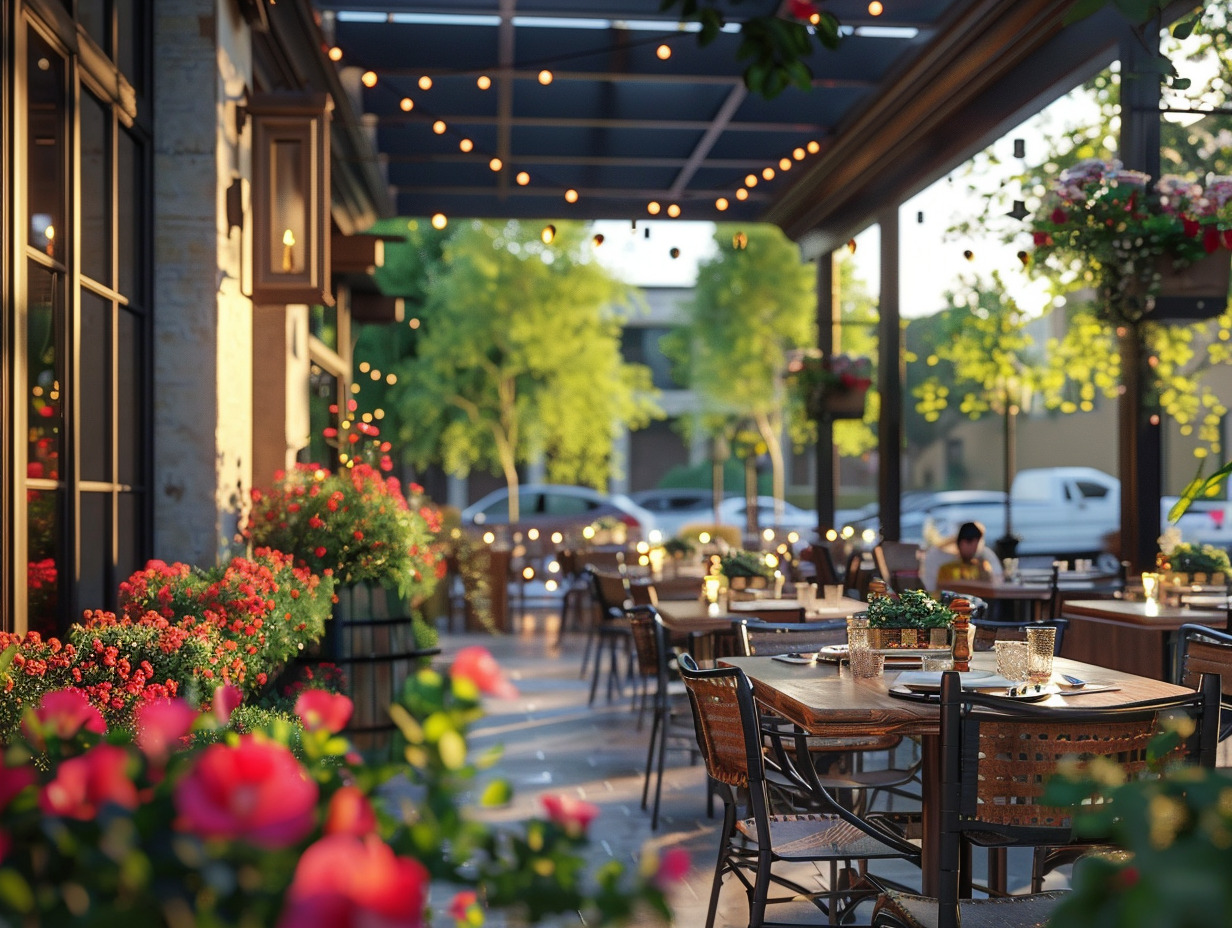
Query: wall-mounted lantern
{"type": "Point", "coordinates": [290, 197]}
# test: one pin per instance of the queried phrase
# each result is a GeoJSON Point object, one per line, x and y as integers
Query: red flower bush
{"type": "Point", "coordinates": [85, 784]}
{"type": "Point", "coordinates": [319, 709]}
{"type": "Point", "coordinates": [343, 881]}
{"type": "Point", "coordinates": [355, 525]}
{"type": "Point", "coordinates": [253, 791]}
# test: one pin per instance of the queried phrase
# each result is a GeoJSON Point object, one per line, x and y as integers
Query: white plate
{"type": "Point", "coordinates": [922, 680]}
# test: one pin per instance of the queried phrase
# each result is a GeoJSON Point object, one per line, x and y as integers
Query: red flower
{"type": "Point", "coordinates": [320, 551]}
{"type": "Point", "coordinates": [573, 815]}
{"type": "Point", "coordinates": [343, 881]}
{"type": "Point", "coordinates": [321, 709]}
{"type": "Point", "coordinates": [254, 791]}
{"type": "Point", "coordinates": [1210, 239]}
{"type": "Point", "coordinates": [672, 867]}
{"type": "Point", "coordinates": [61, 714]}
{"type": "Point", "coordinates": [477, 664]}
{"type": "Point", "coordinates": [84, 785]}
{"type": "Point", "coordinates": [12, 781]}
{"type": "Point", "coordinates": [162, 726]}
{"type": "Point", "coordinates": [350, 813]}
{"type": "Point", "coordinates": [801, 9]}
{"type": "Point", "coordinates": [226, 699]}
{"type": "Point", "coordinates": [463, 904]}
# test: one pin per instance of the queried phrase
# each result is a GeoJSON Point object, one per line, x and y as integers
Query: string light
{"type": "Point", "coordinates": [784, 164]}
{"type": "Point", "coordinates": [571, 195]}
{"type": "Point", "coordinates": [750, 180]}
{"type": "Point", "coordinates": [548, 234]}
{"type": "Point", "coordinates": [664, 52]}
{"type": "Point", "coordinates": [545, 77]}
{"type": "Point", "coordinates": [813, 147]}
{"type": "Point", "coordinates": [483, 82]}
{"type": "Point", "coordinates": [439, 127]}
{"type": "Point", "coordinates": [798, 154]}
{"type": "Point", "coordinates": [425, 83]}
{"type": "Point", "coordinates": [673, 210]}
{"type": "Point", "coordinates": [767, 173]}
{"type": "Point", "coordinates": [368, 79]}
{"type": "Point", "coordinates": [466, 144]}
{"type": "Point", "coordinates": [496, 164]}
{"type": "Point", "coordinates": [335, 54]}
{"type": "Point", "coordinates": [407, 104]}
{"type": "Point", "coordinates": [721, 204]}
{"type": "Point", "coordinates": [742, 194]}
{"type": "Point", "coordinates": [439, 221]}
{"type": "Point", "coordinates": [523, 178]}
{"type": "Point", "coordinates": [875, 8]}
{"type": "Point", "coordinates": [653, 207]}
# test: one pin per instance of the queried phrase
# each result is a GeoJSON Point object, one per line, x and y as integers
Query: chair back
{"type": "Point", "coordinates": [726, 720]}
{"type": "Point", "coordinates": [823, 564]}
{"type": "Point", "coordinates": [764, 638]}
{"type": "Point", "coordinates": [648, 643]}
{"type": "Point", "coordinates": [1202, 650]}
{"type": "Point", "coordinates": [998, 754]}
{"type": "Point", "coordinates": [610, 590]}
{"type": "Point", "coordinates": [898, 565]}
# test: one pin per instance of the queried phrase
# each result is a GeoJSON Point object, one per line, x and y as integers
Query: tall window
{"type": "Point", "coordinates": [81, 316]}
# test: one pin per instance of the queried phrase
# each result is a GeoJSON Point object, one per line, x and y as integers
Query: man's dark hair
{"type": "Point", "coordinates": [970, 531]}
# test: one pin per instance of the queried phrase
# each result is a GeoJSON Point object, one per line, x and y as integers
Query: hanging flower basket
{"type": "Point", "coordinates": [831, 386]}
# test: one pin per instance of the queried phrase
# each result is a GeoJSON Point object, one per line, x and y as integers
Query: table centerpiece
{"type": "Point", "coordinates": [910, 619]}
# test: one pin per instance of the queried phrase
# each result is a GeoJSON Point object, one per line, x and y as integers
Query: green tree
{"type": "Point", "coordinates": [518, 357]}
{"type": "Point", "coordinates": [751, 306]}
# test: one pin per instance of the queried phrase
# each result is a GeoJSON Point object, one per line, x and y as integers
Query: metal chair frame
{"type": "Point", "coordinates": [1203, 650]}
{"type": "Point", "coordinates": [996, 756]}
{"type": "Point", "coordinates": [729, 732]}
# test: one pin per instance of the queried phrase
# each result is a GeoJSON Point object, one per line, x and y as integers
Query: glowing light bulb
{"type": "Point", "coordinates": [425, 83]}
{"type": "Point", "coordinates": [439, 127]}
{"type": "Point", "coordinates": [466, 145]}
{"type": "Point", "coordinates": [673, 210]}
{"type": "Point", "coordinates": [721, 204]}
{"type": "Point", "coordinates": [407, 104]}
{"type": "Point", "coordinates": [439, 221]}
{"type": "Point", "coordinates": [653, 207]}
{"type": "Point", "coordinates": [496, 164]}
{"type": "Point", "coordinates": [368, 79]}
{"type": "Point", "coordinates": [545, 77]}
{"type": "Point", "coordinates": [571, 195]}
{"type": "Point", "coordinates": [750, 180]}
{"type": "Point", "coordinates": [767, 173]}
{"type": "Point", "coordinates": [335, 54]}
{"type": "Point", "coordinates": [483, 82]}
{"type": "Point", "coordinates": [523, 178]}
{"type": "Point", "coordinates": [742, 194]}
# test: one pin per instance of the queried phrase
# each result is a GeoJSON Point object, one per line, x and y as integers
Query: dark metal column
{"type": "Point", "coordinates": [890, 383]}
{"type": "Point", "coordinates": [828, 309]}
{"type": "Point", "coordinates": [1139, 455]}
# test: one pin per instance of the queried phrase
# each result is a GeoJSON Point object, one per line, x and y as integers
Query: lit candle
{"type": "Point", "coordinates": [778, 584]}
{"type": "Point", "coordinates": [711, 586]}
{"type": "Point", "coordinates": [288, 241]}
{"type": "Point", "coordinates": [1150, 587]}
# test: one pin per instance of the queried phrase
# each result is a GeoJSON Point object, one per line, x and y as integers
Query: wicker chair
{"type": "Point", "coordinates": [729, 732]}
{"type": "Point", "coordinates": [997, 756]}
{"type": "Point", "coordinates": [1201, 650]}
{"type": "Point", "coordinates": [671, 723]}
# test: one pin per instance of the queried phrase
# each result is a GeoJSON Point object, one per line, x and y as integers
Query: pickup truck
{"type": "Point", "coordinates": [1056, 510]}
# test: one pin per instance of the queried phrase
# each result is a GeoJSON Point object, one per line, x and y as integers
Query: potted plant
{"type": "Point", "coordinates": [745, 570]}
{"type": "Point", "coordinates": [910, 619]}
{"type": "Point", "coordinates": [1128, 238]}
{"type": "Point", "coordinates": [830, 386]}
{"type": "Point", "coordinates": [1183, 563]}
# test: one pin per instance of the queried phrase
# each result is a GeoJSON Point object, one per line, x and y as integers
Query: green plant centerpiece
{"type": "Point", "coordinates": [1184, 562]}
{"type": "Point", "coordinates": [745, 569]}
{"type": "Point", "coordinates": [910, 619]}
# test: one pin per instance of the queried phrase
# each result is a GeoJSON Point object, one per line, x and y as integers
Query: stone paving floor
{"type": "Point", "coordinates": [554, 742]}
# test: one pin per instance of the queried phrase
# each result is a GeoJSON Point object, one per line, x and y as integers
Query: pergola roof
{"type": "Point", "coordinates": [907, 96]}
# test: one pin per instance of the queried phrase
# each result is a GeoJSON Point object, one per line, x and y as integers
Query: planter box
{"type": "Point", "coordinates": [836, 404]}
{"type": "Point", "coordinates": [915, 638]}
{"type": "Point", "coordinates": [1177, 579]}
{"type": "Point", "coordinates": [747, 583]}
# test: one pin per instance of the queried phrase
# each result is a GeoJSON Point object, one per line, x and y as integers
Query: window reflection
{"type": "Point", "coordinates": [45, 409]}
{"type": "Point", "coordinates": [42, 573]}
{"type": "Point", "coordinates": [45, 152]}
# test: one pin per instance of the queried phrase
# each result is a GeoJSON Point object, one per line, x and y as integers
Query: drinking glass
{"type": "Point", "coordinates": [834, 592]}
{"type": "Point", "coordinates": [1012, 660]}
{"type": "Point", "coordinates": [807, 594]}
{"type": "Point", "coordinates": [867, 663]}
{"type": "Point", "coordinates": [1150, 587]}
{"type": "Point", "coordinates": [1041, 642]}
{"type": "Point", "coordinates": [859, 635]}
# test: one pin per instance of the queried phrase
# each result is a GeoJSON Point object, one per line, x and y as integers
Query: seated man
{"type": "Point", "coordinates": [965, 558]}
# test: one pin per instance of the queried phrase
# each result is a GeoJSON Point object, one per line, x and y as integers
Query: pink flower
{"type": "Point", "coordinates": [673, 866]}
{"type": "Point", "coordinates": [84, 784]}
{"type": "Point", "coordinates": [477, 664]}
{"type": "Point", "coordinates": [61, 714]}
{"type": "Point", "coordinates": [350, 813]}
{"type": "Point", "coordinates": [462, 905]}
{"type": "Point", "coordinates": [573, 815]}
{"type": "Point", "coordinates": [253, 791]}
{"type": "Point", "coordinates": [12, 781]}
{"type": "Point", "coordinates": [343, 881]}
{"type": "Point", "coordinates": [322, 709]}
{"type": "Point", "coordinates": [226, 699]}
{"type": "Point", "coordinates": [162, 726]}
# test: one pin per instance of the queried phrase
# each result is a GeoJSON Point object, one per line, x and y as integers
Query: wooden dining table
{"type": "Point", "coordinates": [826, 700]}
{"type": "Point", "coordinates": [1130, 635]}
{"type": "Point", "coordinates": [694, 623]}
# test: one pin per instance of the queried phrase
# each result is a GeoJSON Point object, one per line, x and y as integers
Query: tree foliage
{"type": "Point", "coordinates": [517, 357]}
{"type": "Point", "coordinates": [751, 306]}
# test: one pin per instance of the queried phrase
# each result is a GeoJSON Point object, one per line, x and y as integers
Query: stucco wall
{"type": "Point", "coordinates": [203, 327]}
